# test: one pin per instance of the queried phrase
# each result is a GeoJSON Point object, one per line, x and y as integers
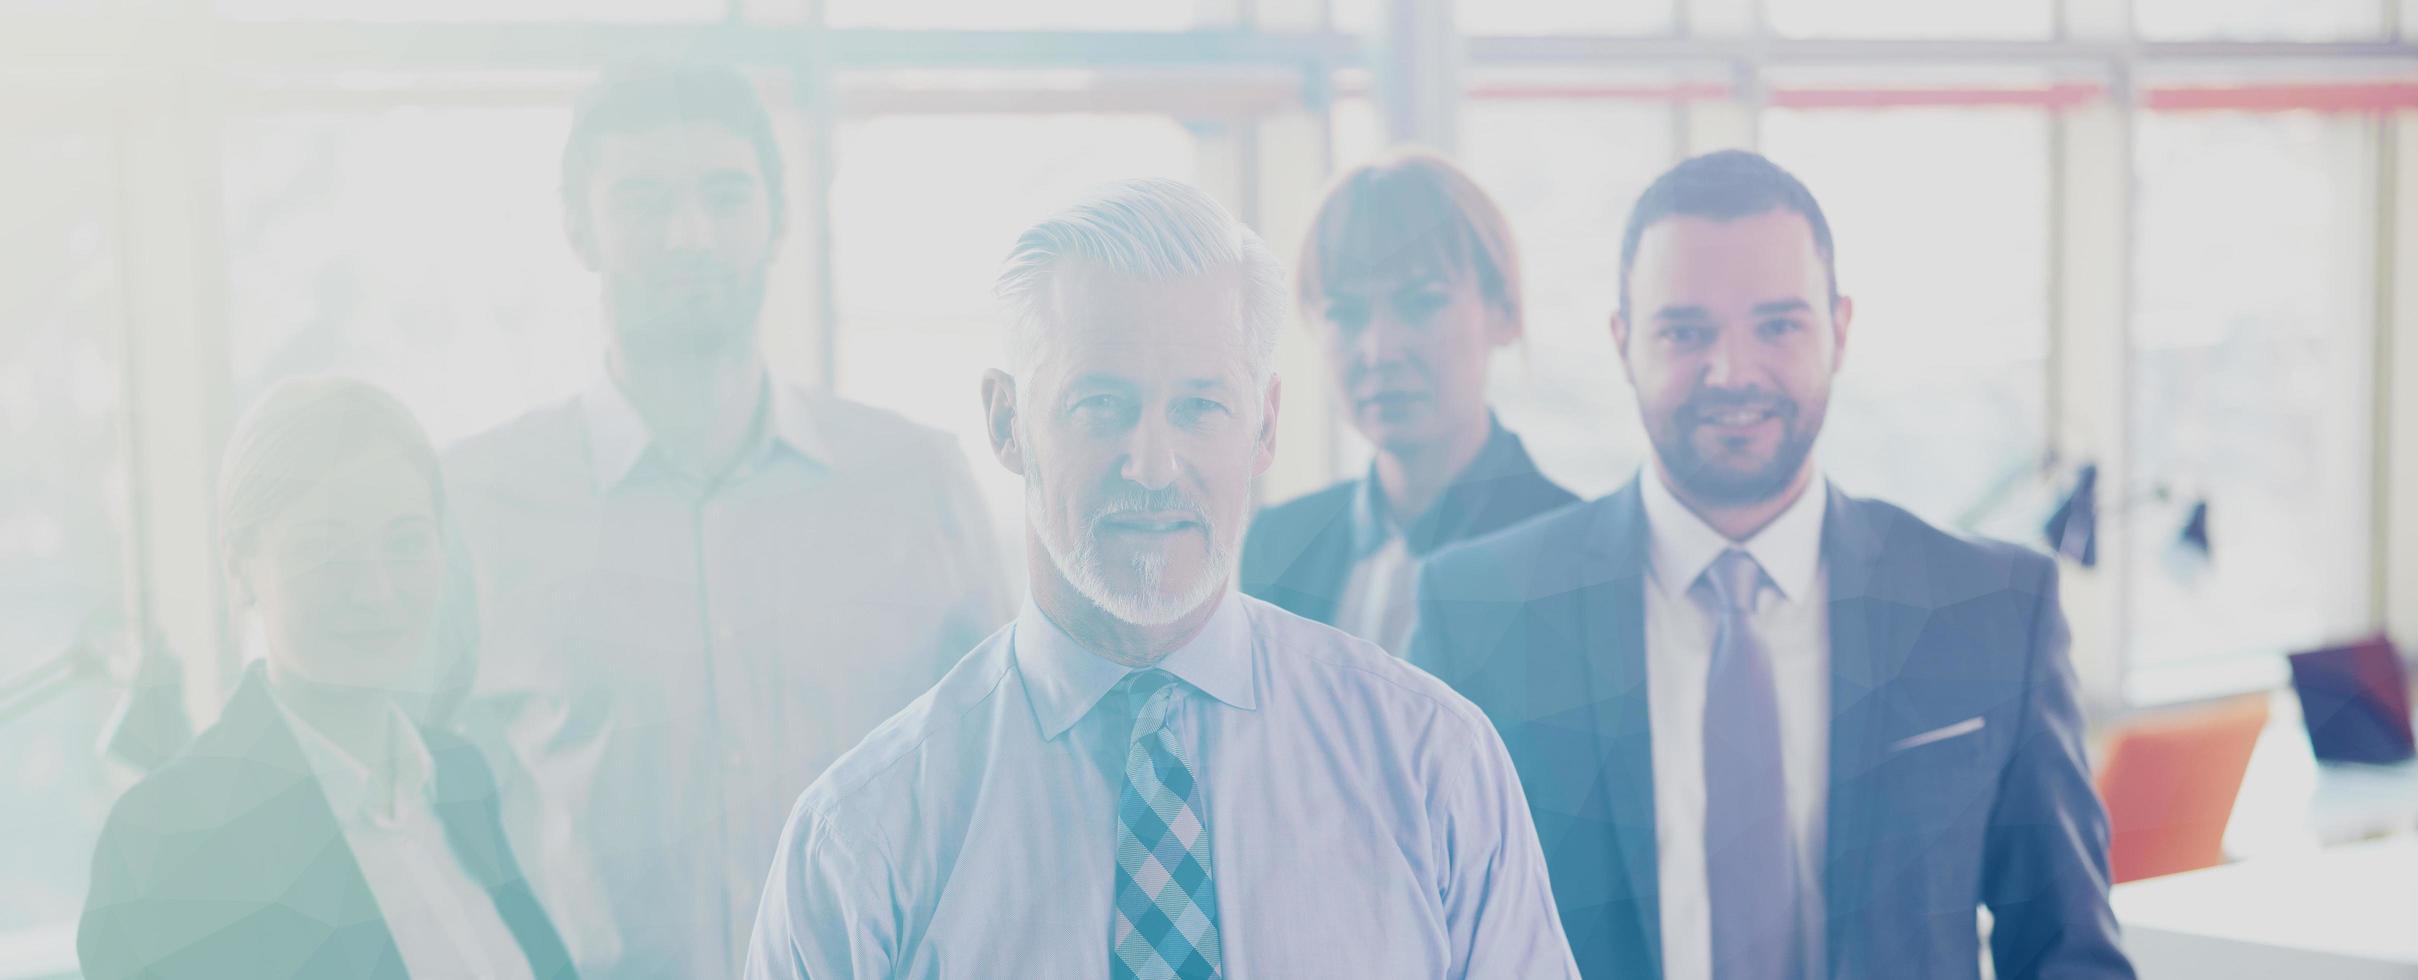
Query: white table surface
{"type": "Point", "coordinates": [2292, 804]}
{"type": "Point", "coordinates": [2344, 913]}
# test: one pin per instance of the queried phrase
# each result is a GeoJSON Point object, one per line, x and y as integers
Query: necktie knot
{"type": "Point", "coordinates": [1734, 579]}
{"type": "Point", "coordinates": [1155, 691]}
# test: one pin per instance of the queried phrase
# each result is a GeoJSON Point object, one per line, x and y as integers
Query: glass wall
{"type": "Point", "coordinates": [2251, 366]}
{"type": "Point", "coordinates": [64, 599]}
{"type": "Point", "coordinates": [397, 218]}
{"type": "Point", "coordinates": [1941, 221]}
{"type": "Point", "coordinates": [917, 237]}
{"type": "Point", "coordinates": [419, 247]}
{"type": "Point", "coordinates": [1565, 171]}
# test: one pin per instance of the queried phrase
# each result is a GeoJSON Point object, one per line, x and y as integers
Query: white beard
{"type": "Point", "coordinates": [1152, 602]}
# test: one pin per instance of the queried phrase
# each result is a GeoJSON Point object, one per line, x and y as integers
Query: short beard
{"type": "Point", "coordinates": [1076, 554]}
{"type": "Point", "coordinates": [1718, 487]}
{"type": "Point", "coordinates": [645, 325]}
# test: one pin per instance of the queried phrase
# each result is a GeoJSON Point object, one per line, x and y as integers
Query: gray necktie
{"type": "Point", "coordinates": [1749, 854]}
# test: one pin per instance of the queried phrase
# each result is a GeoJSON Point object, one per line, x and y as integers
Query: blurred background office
{"type": "Point", "coordinates": [2166, 250]}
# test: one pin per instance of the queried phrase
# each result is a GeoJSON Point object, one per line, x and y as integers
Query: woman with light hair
{"type": "Point", "coordinates": [1409, 279]}
{"type": "Point", "coordinates": [319, 829]}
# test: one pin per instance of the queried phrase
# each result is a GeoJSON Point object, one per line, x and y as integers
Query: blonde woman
{"type": "Point", "coordinates": [318, 829]}
{"type": "Point", "coordinates": [1410, 281]}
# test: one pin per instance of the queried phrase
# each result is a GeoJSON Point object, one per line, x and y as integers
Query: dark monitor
{"type": "Point", "coordinates": [2355, 699]}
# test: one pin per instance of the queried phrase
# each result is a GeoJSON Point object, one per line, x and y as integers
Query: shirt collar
{"type": "Point", "coordinates": [618, 436]}
{"type": "Point", "coordinates": [346, 781]}
{"type": "Point", "coordinates": [1372, 518]}
{"type": "Point", "coordinates": [1681, 545]}
{"type": "Point", "coordinates": [1064, 681]}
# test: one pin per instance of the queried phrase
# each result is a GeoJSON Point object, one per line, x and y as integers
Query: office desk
{"type": "Point", "coordinates": [2325, 884]}
{"type": "Point", "coordinates": [2345, 913]}
{"type": "Point", "coordinates": [2289, 804]}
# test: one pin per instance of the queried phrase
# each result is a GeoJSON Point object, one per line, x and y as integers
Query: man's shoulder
{"type": "Point", "coordinates": [1942, 565]}
{"type": "Point", "coordinates": [864, 436]}
{"type": "Point", "coordinates": [1329, 661]}
{"type": "Point", "coordinates": [1526, 560]}
{"type": "Point", "coordinates": [550, 431]}
{"type": "Point", "coordinates": [883, 768]}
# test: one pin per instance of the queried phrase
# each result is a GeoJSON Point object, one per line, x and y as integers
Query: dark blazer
{"type": "Point", "coordinates": [1299, 554]}
{"type": "Point", "coordinates": [1543, 627]}
{"type": "Point", "coordinates": [228, 862]}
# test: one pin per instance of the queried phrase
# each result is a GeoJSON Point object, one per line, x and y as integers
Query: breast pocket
{"type": "Point", "coordinates": [1938, 783]}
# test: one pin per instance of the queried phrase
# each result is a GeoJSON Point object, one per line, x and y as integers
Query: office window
{"type": "Point", "coordinates": [551, 11]}
{"type": "Point", "coordinates": [1565, 172]}
{"type": "Point", "coordinates": [1940, 220]}
{"type": "Point", "coordinates": [1354, 16]}
{"type": "Point", "coordinates": [1355, 129]}
{"type": "Point", "coordinates": [973, 15]}
{"type": "Point", "coordinates": [2259, 20]}
{"type": "Point", "coordinates": [63, 500]}
{"type": "Point", "coordinates": [1532, 17]}
{"type": "Point", "coordinates": [1959, 19]}
{"type": "Point", "coordinates": [1522, 17]}
{"type": "Point", "coordinates": [2252, 348]}
{"type": "Point", "coordinates": [417, 248]}
{"type": "Point", "coordinates": [918, 232]}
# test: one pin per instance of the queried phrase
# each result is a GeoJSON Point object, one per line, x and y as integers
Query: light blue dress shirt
{"type": "Point", "coordinates": [663, 662]}
{"type": "Point", "coordinates": [1364, 820]}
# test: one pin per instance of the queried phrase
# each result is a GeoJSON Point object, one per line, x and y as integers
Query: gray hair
{"type": "Point", "coordinates": [1150, 228]}
{"type": "Point", "coordinates": [298, 433]}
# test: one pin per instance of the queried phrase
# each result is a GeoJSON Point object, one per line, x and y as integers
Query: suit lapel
{"type": "Point", "coordinates": [1611, 611]}
{"type": "Point", "coordinates": [1500, 488]}
{"type": "Point", "coordinates": [351, 926]}
{"type": "Point", "coordinates": [1872, 631]}
{"type": "Point", "coordinates": [1312, 584]}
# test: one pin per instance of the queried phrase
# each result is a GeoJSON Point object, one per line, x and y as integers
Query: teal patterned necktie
{"type": "Point", "coordinates": [1166, 918]}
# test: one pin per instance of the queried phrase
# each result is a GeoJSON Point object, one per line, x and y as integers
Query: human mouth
{"type": "Point", "coordinates": [1146, 523]}
{"type": "Point", "coordinates": [1737, 418]}
{"type": "Point", "coordinates": [1391, 400]}
{"type": "Point", "coordinates": [368, 635]}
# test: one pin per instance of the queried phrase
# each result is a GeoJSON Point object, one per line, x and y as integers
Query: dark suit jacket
{"type": "Point", "coordinates": [1299, 554]}
{"type": "Point", "coordinates": [1543, 627]}
{"type": "Point", "coordinates": [228, 862]}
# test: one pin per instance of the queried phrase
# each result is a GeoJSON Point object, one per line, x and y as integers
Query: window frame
{"type": "Point", "coordinates": [167, 74]}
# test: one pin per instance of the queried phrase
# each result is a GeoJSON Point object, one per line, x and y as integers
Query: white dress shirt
{"type": "Point", "coordinates": [443, 921]}
{"type": "Point", "coordinates": [665, 661]}
{"type": "Point", "coordinates": [1380, 597]}
{"type": "Point", "coordinates": [1364, 820]}
{"type": "Point", "coordinates": [1792, 621]}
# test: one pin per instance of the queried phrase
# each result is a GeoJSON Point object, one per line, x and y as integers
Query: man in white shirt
{"type": "Point", "coordinates": [1772, 731]}
{"type": "Point", "coordinates": [696, 584]}
{"type": "Point", "coordinates": [1149, 775]}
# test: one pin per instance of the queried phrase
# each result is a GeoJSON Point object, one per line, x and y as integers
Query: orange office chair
{"type": "Point", "coordinates": [2169, 781]}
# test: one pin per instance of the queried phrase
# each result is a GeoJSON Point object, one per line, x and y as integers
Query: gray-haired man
{"type": "Point", "coordinates": [1148, 774]}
